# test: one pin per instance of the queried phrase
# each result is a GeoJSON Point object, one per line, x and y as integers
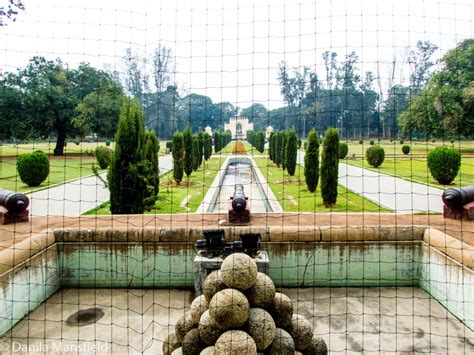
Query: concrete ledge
{"type": "Point", "coordinates": [450, 246]}
{"type": "Point", "coordinates": [371, 233]}
{"type": "Point", "coordinates": [23, 250]}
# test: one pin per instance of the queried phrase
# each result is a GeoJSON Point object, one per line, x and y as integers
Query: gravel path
{"type": "Point", "coordinates": [391, 192]}
{"type": "Point", "coordinates": [73, 198]}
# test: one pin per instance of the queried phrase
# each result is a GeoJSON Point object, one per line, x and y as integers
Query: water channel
{"type": "Point", "coordinates": [240, 171]}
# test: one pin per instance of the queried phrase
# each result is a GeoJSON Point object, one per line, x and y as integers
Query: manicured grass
{"type": "Point", "coordinates": [416, 169]}
{"type": "Point", "coordinates": [418, 148]}
{"type": "Point", "coordinates": [61, 169]}
{"type": "Point", "coordinates": [172, 195]}
{"type": "Point", "coordinates": [294, 196]}
{"type": "Point", "coordinates": [13, 150]}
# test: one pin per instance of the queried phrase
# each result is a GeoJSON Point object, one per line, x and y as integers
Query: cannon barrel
{"type": "Point", "coordinates": [455, 198]}
{"type": "Point", "coordinates": [13, 202]}
{"type": "Point", "coordinates": [239, 201]}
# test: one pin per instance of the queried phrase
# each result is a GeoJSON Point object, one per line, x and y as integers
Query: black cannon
{"type": "Point", "coordinates": [214, 244]}
{"type": "Point", "coordinates": [459, 203]}
{"type": "Point", "coordinates": [239, 211]}
{"type": "Point", "coordinates": [239, 201]}
{"type": "Point", "coordinates": [15, 204]}
{"type": "Point", "coordinates": [457, 198]}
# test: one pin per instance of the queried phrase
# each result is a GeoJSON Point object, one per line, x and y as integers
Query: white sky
{"type": "Point", "coordinates": [230, 50]}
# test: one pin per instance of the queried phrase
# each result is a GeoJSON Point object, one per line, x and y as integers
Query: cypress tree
{"type": "Point", "coordinates": [291, 152]}
{"type": "Point", "coordinates": [152, 146]}
{"type": "Point", "coordinates": [311, 162]}
{"type": "Point", "coordinates": [217, 141]}
{"type": "Point", "coordinates": [271, 142]}
{"type": "Point", "coordinates": [200, 148]}
{"type": "Point", "coordinates": [207, 146]}
{"type": "Point", "coordinates": [283, 149]}
{"type": "Point", "coordinates": [127, 182]}
{"type": "Point", "coordinates": [278, 148]}
{"type": "Point", "coordinates": [195, 153]}
{"type": "Point", "coordinates": [178, 157]}
{"type": "Point", "coordinates": [188, 151]}
{"type": "Point", "coordinates": [260, 142]}
{"type": "Point", "coordinates": [330, 167]}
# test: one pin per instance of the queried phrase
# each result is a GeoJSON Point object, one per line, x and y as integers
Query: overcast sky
{"type": "Point", "coordinates": [230, 50]}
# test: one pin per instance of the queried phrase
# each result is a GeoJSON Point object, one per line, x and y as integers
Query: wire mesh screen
{"type": "Point", "coordinates": [223, 177]}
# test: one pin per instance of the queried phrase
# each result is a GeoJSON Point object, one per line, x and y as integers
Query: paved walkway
{"type": "Point", "coordinates": [76, 197]}
{"type": "Point", "coordinates": [391, 192]}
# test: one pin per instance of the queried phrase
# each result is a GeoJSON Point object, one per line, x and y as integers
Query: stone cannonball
{"type": "Point", "coordinates": [170, 344]}
{"type": "Point", "coordinates": [239, 271]}
{"type": "Point", "coordinates": [184, 325]}
{"type": "Point", "coordinates": [192, 343]}
{"type": "Point", "coordinates": [213, 284]}
{"type": "Point", "coordinates": [262, 293]}
{"type": "Point", "coordinates": [260, 327]}
{"type": "Point", "coordinates": [282, 344]}
{"type": "Point", "coordinates": [235, 342]}
{"type": "Point", "coordinates": [282, 311]}
{"type": "Point", "coordinates": [198, 307]}
{"type": "Point", "coordinates": [208, 330]}
{"type": "Point", "coordinates": [210, 350]}
{"type": "Point", "coordinates": [302, 332]}
{"type": "Point", "coordinates": [229, 309]}
{"type": "Point", "coordinates": [318, 347]}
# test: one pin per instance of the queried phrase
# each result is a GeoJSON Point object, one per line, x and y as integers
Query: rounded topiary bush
{"type": "Point", "coordinates": [402, 141]}
{"type": "Point", "coordinates": [444, 164]}
{"type": "Point", "coordinates": [343, 149]}
{"type": "Point", "coordinates": [103, 156]}
{"type": "Point", "coordinates": [406, 149]}
{"type": "Point", "coordinates": [375, 156]}
{"type": "Point", "coordinates": [33, 168]}
{"type": "Point", "coordinates": [372, 142]}
{"type": "Point", "coordinates": [107, 143]}
{"type": "Point", "coordinates": [361, 141]}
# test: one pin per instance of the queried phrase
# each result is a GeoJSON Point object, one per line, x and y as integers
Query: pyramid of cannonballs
{"type": "Point", "coordinates": [240, 313]}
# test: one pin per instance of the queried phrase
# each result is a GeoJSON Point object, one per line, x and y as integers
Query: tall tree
{"type": "Point", "coordinates": [136, 78]}
{"type": "Point", "coordinates": [311, 161]}
{"type": "Point", "coordinates": [188, 151]}
{"type": "Point", "coordinates": [444, 107]}
{"type": "Point", "coordinates": [178, 157]}
{"type": "Point", "coordinates": [127, 178]}
{"type": "Point", "coordinates": [98, 112]}
{"type": "Point", "coordinates": [50, 98]}
{"type": "Point", "coordinates": [420, 64]}
{"type": "Point", "coordinates": [151, 149]}
{"type": "Point", "coordinates": [330, 167]}
{"type": "Point", "coordinates": [291, 152]}
{"type": "Point", "coordinates": [207, 146]}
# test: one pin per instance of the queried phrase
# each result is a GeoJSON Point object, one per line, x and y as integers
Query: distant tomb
{"type": "Point", "coordinates": [239, 126]}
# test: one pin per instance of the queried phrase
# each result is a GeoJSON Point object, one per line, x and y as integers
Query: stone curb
{"type": "Point", "coordinates": [18, 253]}
{"type": "Point", "coordinates": [450, 246]}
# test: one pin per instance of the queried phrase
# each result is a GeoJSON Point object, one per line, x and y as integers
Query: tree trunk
{"type": "Point", "coordinates": [59, 149]}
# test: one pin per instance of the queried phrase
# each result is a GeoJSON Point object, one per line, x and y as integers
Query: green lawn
{"type": "Point", "coordinates": [171, 195]}
{"type": "Point", "coordinates": [419, 148]}
{"type": "Point", "coordinates": [13, 150]}
{"type": "Point", "coordinates": [294, 196]}
{"type": "Point", "coordinates": [61, 169]}
{"type": "Point", "coordinates": [416, 169]}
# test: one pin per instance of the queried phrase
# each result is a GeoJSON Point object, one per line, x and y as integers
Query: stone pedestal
{"type": "Point", "coordinates": [465, 213]}
{"type": "Point", "coordinates": [204, 264]}
{"type": "Point", "coordinates": [8, 218]}
{"type": "Point", "coordinates": [241, 216]}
